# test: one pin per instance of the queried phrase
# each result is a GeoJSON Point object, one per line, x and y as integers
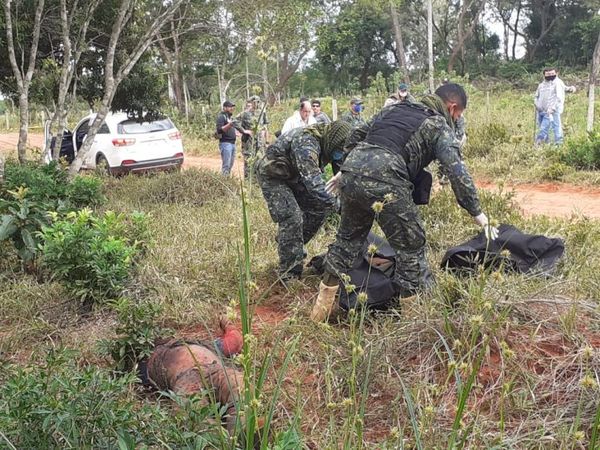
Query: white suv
{"type": "Point", "coordinates": [123, 145]}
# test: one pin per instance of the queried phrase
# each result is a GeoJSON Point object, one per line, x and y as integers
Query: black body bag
{"type": "Point", "coordinates": [513, 250]}
{"type": "Point", "coordinates": [370, 273]}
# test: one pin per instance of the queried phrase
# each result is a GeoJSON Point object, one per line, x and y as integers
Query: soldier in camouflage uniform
{"type": "Point", "coordinates": [289, 175]}
{"type": "Point", "coordinates": [376, 183]}
{"type": "Point", "coordinates": [256, 120]}
{"type": "Point", "coordinates": [353, 116]}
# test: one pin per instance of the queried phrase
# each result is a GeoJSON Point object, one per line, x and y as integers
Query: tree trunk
{"type": "Point", "coordinates": [514, 46]}
{"type": "Point", "coordinates": [22, 78]}
{"type": "Point", "coordinates": [462, 35]}
{"type": "Point", "coordinates": [399, 43]}
{"type": "Point", "coordinates": [506, 38]}
{"type": "Point", "coordinates": [112, 81]}
{"type": "Point", "coordinates": [430, 43]}
{"type": "Point", "coordinates": [247, 80]}
{"type": "Point", "coordinates": [265, 76]}
{"type": "Point", "coordinates": [592, 87]}
{"type": "Point", "coordinates": [23, 124]}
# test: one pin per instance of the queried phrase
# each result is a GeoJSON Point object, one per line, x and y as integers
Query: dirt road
{"type": "Point", "coordinates": [550, 199]}
{"type": "Point", "coordinates": [553, 200]}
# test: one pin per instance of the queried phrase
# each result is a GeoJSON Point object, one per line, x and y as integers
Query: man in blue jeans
{"type": "Point", "coordinates": [549, 103]}
{"type": "Point", "coordinates": [226, 128]}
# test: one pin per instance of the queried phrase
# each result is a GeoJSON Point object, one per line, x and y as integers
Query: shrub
{"type": "Point", "coordinates": [137, 333]}
{"type": "Point", "coordinates": [92, 256]}
{"type": "Point", "coordinates": [20, 222]}
{"type": "Point", "coordinates": [554, 172]}
{"type": "Point", "coordinates": [48, 185]}
{"type": "Point", "coordinates": [57, 404]}
{"type": "Point", "coordinates": [582, 153]}
{"type": "Point", "coordinates": [485, 138]}
{"type": "Point", "coordinates": [85, 191]}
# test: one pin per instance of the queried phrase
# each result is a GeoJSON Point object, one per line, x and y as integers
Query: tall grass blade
{"type": "Point", "coordinates": [410, 404]}
{"type": "Point", "coordinates": [462, 400]}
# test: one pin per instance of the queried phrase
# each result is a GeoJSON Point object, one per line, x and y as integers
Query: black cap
{"type": "Point", "coordinates": [227, 104]}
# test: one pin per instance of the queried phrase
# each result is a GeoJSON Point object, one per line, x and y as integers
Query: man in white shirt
{"type": "Point", "coordinates": [549, 103]}
{"type": "Point", "coordinates": [300, 119]}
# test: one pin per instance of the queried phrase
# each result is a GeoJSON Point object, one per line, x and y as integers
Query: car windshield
{"type": "Point", "coordinates": [133, 127]}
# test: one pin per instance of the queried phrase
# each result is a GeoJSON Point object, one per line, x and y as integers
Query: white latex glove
{"type": "Point", "coordinates": [333, 185]}
{"type": "Point", "coordinates": [491, 232]}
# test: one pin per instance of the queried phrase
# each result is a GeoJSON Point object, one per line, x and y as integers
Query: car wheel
{"type": "Point", "coordinates": [102, 165]}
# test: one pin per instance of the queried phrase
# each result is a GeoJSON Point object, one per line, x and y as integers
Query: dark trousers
{"type": "Point", "coordinates": [399, 219]}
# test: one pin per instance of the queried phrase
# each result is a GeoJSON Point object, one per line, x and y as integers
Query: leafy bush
{"type": "Point", "coordinates": [60, 405]}
{"type": "Point", "coordinates": [48, 184]}
{"type": "Point", "coordinates": [92, 256]}
{"type": "Point", "coordinates": [20, 222]}
{"type": "Point", "coordinates": [484, 138]}
{"type": "Point", "coordinates": [137, 333]}
{"type": "Point", "coordinates": [582, 153]}
{"type": "Point", "coordinates": [85, 191]}
{"type": "Point", "coordinates": [554, 172]}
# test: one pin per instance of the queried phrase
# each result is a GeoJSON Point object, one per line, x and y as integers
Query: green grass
{"type": "Point", "coordinates": [351, 382]}
{"type": "Point", "coordinates": [490, 361]}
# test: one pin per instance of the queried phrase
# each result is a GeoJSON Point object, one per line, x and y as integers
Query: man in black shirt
{"type": "Point", "coordinates": [226, 127]}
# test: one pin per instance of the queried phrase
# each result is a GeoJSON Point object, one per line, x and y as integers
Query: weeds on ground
{"type": "Point", "coordinates": [534, 341]}
{"type": "Point", "coordinates": [92, 255]}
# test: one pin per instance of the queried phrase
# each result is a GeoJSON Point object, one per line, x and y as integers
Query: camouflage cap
{"type": "Point", "coordinates": [356, 101]}
{"type": "Point", "coordinates": [336, 135]}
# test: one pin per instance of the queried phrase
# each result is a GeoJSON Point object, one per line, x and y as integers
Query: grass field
{"type": "Point", "coordinates": [494, 360]}
{"type": "Point", "coordinates": [491, 361]}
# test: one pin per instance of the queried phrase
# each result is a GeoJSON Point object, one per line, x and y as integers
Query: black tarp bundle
{"type": "Point", "coordinates": [513, 250]}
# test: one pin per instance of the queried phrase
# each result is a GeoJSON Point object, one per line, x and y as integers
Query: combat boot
{"type": "Point", "coordinates": [324, 303]}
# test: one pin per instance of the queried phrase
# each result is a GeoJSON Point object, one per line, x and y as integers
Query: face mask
{"type": "Point", "coordinates": [357, 108]}
{"type": "Point", "coordinates": [550, 77]}
{"type": "Point", "coordinates": [337, 155]}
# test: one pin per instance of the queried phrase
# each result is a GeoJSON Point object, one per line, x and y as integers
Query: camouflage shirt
{"type": "Point", "coordinates": [249, 121]}
{"type": "Point", "coordinates": [296, 157]}
{"type": "Point", "coordinates": [433, 140]}
{"type": "Point", "coordinates": [355, 120]}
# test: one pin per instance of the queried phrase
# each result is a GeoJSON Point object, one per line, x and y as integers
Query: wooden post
{"type": "Point", "coordinates": [592, 86]}
{"type": "Point", "coordinates": [334, 109]}
{"type": "Point", "coordinates": [430, 43]}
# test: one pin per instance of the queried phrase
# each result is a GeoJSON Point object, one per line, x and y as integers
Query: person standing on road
{"type": "Point", "coordinates": [226, 127]}
{"type": "Point", "coordinates": [319, 115]}
{"type": "Point", "coordinates": [549, 104]}
{"type": "Point", "coordinates": [354, 116]}
{"type": "Point", "coordinates": [290, 176]}
{"type": "Point", "coordinates": [376, 183]}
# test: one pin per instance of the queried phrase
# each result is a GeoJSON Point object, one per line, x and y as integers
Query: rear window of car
{"type": "Point", "coordinates": [133, 127]}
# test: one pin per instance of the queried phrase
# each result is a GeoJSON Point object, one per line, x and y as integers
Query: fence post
{"type": "Point", "coordinates": [334, 111]}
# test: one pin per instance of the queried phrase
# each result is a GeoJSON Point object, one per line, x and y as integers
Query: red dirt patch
{"type": "Point", "coordinates": [552, 199]}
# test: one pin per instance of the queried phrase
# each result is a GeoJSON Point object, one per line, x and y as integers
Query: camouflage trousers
{"type": "Point", "coordinates": [298, 213]}
{"type": "Point", "coordinates": [247, 154]}
{"type": "Point", "coordinates": [399, 219]}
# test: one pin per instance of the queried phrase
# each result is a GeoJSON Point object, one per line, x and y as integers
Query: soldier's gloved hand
{"type": "Point", "coordinates": [491, 233]}
{"type": "Point", "coordinates": [333, 185]}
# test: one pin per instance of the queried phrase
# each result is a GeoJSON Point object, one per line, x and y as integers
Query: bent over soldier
{"type": "Point", "coordinates": [289, 175]}
{"type": "Point", "coordinates": [376, 183]}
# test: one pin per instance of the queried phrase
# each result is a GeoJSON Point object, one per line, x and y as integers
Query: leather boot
{"type": "Point", "coordinates": [324, 303]}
